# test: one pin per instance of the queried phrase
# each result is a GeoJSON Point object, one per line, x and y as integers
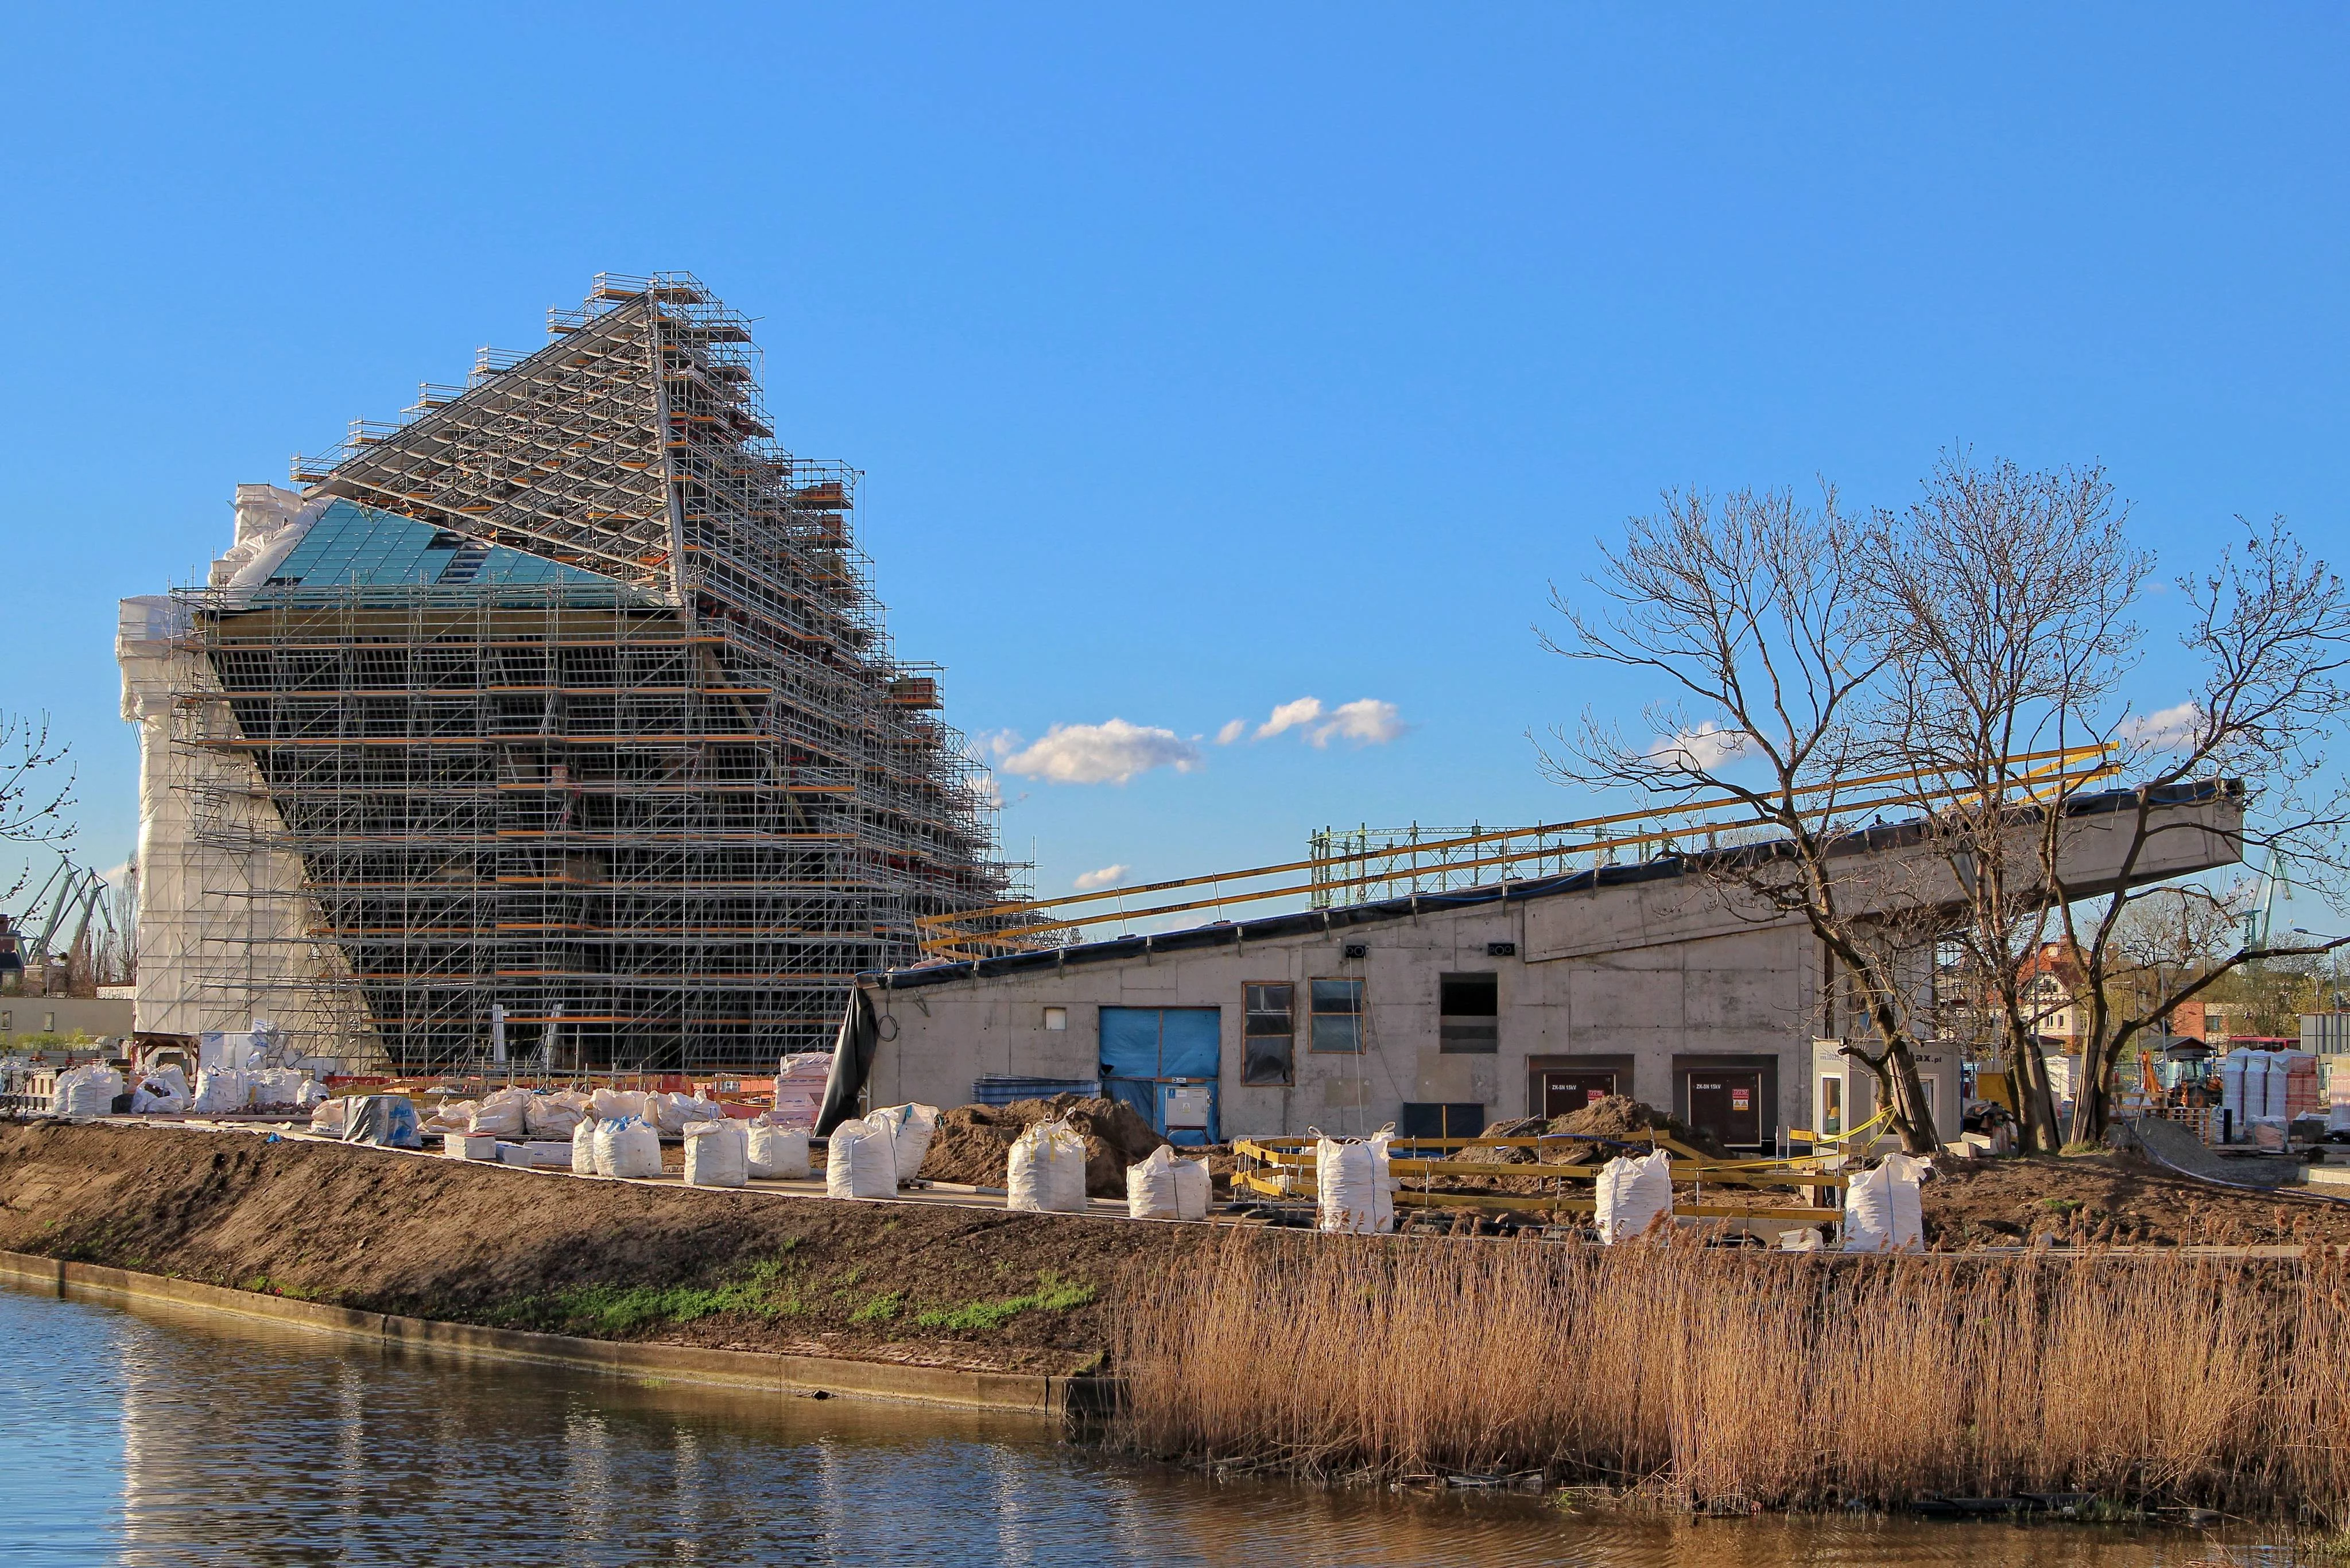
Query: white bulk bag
{"type": "Point", "coordinates": [861, 1159]}
{"type": "Point", "coordinates": [627, 1149]}
{"type": "Point", "coordinates": [1046, 1170]}
{"type": "Point", "coordinates": [716, 1154]}
{"type": "Point", "coordinates": [219, 1090]}
{"type": "Point", "coordinates": [1150, 1188]}
{"type": "Point", "coordinates": [1881, 1208]}
{"type": "Point", "coordinates": [451, 1115]}
{"type": "Point", "coordinates": [500, 1113]}
{"type": "Point", "coordinates": [86, 1091]}
{"type": "Point", "coordinates": [616, 1105]}
{"type": "Point", "coordinates": [1633, 1190]}
{"type": "Point", "coordinates": [1166, 1187]}
{"type": "Point", "coordinates": [583, 1147]}
{"type": "Point", "coordinates": [171, 1084]}
{"type": "Point", "coordinates": [910, 1128]}
{"type": "Point", "coordinates": [773, 1152]}
{"type": "Point", "coordinates": [670, 1112]}
{"type": "Point", "coordinates": [329, 1118]}
{"type": "Point", "coordinates": [551, 1117]}
{"type": "Point", "coordinates": [1354, 1193]}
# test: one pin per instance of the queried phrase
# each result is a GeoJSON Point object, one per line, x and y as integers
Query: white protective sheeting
{"type": "Point", "coordinates": [716, 1154]}
{"type": "Point", "coordinates": [911, 1127]}
{"type": "Point", "coordinates": [774, 1152]}
{"type": "Point", "coordinates": [1633, 1189]}
{"type": "Point", "coordinates": [1354, 1193]}
{"type": "Point", "coordinates": [861, 1159]}
{"type": "Point", "coordinates": [1046, 1173]}
{"type": "Point", "coordinates": [329, 1118]}
{"type": "Point", "coordinates": [1881, 1208]}
{"type": "Point", "coordinates": [1164, 1187]}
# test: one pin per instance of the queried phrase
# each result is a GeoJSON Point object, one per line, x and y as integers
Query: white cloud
{"type": "Point", "coordinates": [1109, 752]}
{"type": "Point", "coordinates": [1290, 715]}
{"type": "Point", "coordinates": [1232, 731]}
{"type": "Point", "coordinates": [1707, 745]}
{"type": "Point", "coordinates": [1108, 877]}
{"type": "Point", "coordinates": [1366, 722]}
{"type": "Point", "coordinates": [2168, 730]}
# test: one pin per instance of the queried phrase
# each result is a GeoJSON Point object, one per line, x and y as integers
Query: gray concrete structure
{"type": "Point", "coordinates": [1520, 998]}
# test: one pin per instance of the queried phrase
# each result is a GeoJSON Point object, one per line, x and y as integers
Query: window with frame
{"type": "Point", "coordinates": [1469, 1013]}
{"type": "Point", "coordinates": [1337, 1014]}
{"type": "Point", "coordinates": [1268, 1031]}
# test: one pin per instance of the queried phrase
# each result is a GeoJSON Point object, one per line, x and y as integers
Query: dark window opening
{"type": "Point", "coordinates": [1338, 1019]}
{"type": "Point", "coordinates": [1268, 1032]}
{"type": "Point", "coordinates": [1469, 1008]}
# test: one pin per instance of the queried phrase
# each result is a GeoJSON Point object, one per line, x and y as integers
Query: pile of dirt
{"type": "Point", "coordinates": [2111, 1200]}
{"type": "Point", "coordinates": [469, 1242]}
{"type": "Point", "coordinates": [1619, 1118]}
{"type": "Point", "coordinates": [973, 1143]}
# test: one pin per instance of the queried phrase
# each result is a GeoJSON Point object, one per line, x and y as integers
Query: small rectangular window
{"type": "Point", "coordinates": [1831, 1107]}
{"type": "Point", "coordinates": [48, 1024]}
{"type": "Point", "coordinates": [1337, 1014]}
{"type": "Point", "coordinates": [1469, 1009]}
{"type": "Point", "coordinates": [1268, 1031]}
{"type": "Point", "coordinates": [1056, 1018]}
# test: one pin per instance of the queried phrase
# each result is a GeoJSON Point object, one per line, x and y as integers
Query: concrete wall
{"type": "Point", "coordinates": [98, 1017]}
{"type": "Point", "coordinates": [1748, 994]}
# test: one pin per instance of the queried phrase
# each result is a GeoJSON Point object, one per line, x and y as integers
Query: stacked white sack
{"type": "Point", "coordinates": [1632, 1191]}
{"type": "Point", "coordinates": [861, 1159]}
{"type": "Point", "coordinates": [1354, 1193]}
{"type": "Point", "coordinates": [1881, 1208]}
{"type": "Point", "coordinates": [1046, 1170]}
{"type": "Point", "coordinates": [716, 1154]}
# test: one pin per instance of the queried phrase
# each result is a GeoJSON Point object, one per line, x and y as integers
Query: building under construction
{"type": "Point", "coordinates": [557, 721]}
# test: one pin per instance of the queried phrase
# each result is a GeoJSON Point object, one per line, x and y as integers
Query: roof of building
{"type": "Point", "coordinates": [351, 544]}
{"type": "Point", "coordinates": [1221, 933]}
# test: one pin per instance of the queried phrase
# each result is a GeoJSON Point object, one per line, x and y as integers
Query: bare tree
{"type": "Point", "coordinates": [1749, 606]}
{"type": "Point", "coordinates": [2011, 597]}
{"type": "Point", "coordinates": [37, 781]}
{"type": "Point", "coordinates": [1965, 658]}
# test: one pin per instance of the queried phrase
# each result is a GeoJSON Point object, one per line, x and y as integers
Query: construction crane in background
{"type": "Point", "coordinates": [2276, 878]}
{"type": "Point", "coordinates": [58, 919]}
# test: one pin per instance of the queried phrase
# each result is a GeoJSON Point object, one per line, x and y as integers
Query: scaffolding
{"type": "Point", "coordinates": [658, 805]}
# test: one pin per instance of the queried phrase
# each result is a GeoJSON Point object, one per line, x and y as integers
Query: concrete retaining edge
{"type": "Point", "coordinates": [1024, 1393]}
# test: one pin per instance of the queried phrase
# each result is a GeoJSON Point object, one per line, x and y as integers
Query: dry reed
{"type": "Point", "coordinates": [1776, 1379]}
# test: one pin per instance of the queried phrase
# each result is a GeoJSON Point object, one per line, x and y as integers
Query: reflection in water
{"type": "Point", "coordinates": [154, 1437]}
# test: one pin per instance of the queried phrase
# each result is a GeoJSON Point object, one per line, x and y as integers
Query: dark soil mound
{"type": "Point", "coordinates": [973, 1143]}
{"type": "Point", "coordinates": [1617, 1117]}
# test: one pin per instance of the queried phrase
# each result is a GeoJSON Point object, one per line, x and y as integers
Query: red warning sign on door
{"type": "Point", "coordinates": [1741, 1100]}
{"type": "Point", "coordinates": [1593, 1096]}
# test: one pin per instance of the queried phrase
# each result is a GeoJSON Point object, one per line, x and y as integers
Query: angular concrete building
{"type": "Point", "coordinates": [555, 720]}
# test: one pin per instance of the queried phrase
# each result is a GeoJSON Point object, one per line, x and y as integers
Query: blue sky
{"type": "Point", "coordinates": [1202, 359]}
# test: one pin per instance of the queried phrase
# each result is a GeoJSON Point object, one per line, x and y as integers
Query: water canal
{"type": "Point", "coordinates": [148, 1435]}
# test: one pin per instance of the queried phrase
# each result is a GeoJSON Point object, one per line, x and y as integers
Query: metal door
{"type": "Point", "coordinates": [1565, 1093]}
{"type": "Point", "coordinates": [1728, 1103]}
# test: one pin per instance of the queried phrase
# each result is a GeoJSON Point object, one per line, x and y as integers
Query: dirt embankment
{"type": "Point", "coordinates": [481, 1244]}
{"type": "Point", "coordinates": [2112, 1201]}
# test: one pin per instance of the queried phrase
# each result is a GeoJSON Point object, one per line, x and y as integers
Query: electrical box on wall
{"type": "Point", "coordinates": [1353, 950]}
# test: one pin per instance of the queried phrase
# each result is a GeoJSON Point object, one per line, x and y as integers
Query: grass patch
{"type": "Point", "coordinates": [880, 1309]}
{"type": "Point", "coordinates": [1051, 1295]}
{"type": "Point", "coordinates": [2059, 1205]}
{"type": "Point", "coordinates": [610, 1310]}
{"type": "Point", "coordinates": [262, 1285]}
